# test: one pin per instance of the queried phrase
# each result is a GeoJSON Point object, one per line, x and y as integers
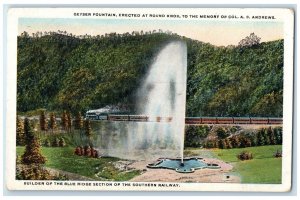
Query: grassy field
{"type": "Point", "coordinates": [63, 158]}
{"type": "Point", "coordinates": [263, 168]}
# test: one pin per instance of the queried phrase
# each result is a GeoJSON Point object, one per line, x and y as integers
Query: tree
{"type": "Point", "coordinates": [87, 128]}
{"type": "Point", "coordinates": [43, 121]}
{"type": "Point", "coordinates": [271, 135]}
{"type": "Point", "coordinates": [52, 122]}
{"type": "Point", "coordinates": [278, 135]}
{"type": "Point", "coordinates": [64, 120]}
{"type": "Point", "coordinates": [69, 121]}
{"type": "Point", "coordinates": [266, 136]}
{"type": "Point", "coordinates": [78, 122]}
{"type": "Point", "coordinates": [20, 135]}
{"type": "Point", "coordinates": [249, 41]}
{"type": "Point", "coordinates": [260, 138]}
{"type": "Point", "coordinates": [32, 154]}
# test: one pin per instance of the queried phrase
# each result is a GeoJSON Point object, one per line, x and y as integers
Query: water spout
{"type": "Point", "coordinates": [162, 97]}
{"type": "Point", "coordinates": [163, 94]}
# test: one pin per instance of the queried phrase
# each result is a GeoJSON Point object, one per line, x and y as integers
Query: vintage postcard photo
{"type": "Point", "coordinates": [149, 99]}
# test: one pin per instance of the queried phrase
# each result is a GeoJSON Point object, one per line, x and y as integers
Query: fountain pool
{"type": "Point", "coordinates": [188, 165]}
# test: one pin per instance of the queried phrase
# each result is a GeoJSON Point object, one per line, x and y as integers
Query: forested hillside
{"type": "Point", "coordinates": [59, 71]}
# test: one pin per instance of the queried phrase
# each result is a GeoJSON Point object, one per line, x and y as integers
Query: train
{"type": "Point", "coordinates": [233, 120]}
{"type": "Point", "coordinates": [188, 120]}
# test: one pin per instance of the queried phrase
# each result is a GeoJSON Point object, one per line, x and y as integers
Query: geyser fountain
{"type": "Point", "coordinates": [161, 97]}
{"type": "Point", "coordinates": [163, 94]}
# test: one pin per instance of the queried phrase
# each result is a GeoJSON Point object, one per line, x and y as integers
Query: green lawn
{"type": "Point", "coordinates": [63, 158]}
{"type": "Point", "coordinates": [263, 168]}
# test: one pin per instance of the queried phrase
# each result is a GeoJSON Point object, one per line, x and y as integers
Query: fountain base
{"type": "Point", "coordinates": [189, 165]}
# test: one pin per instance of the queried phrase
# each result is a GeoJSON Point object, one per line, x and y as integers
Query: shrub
{"type": "Point", "coordinates": [77, 151]}
{"type": "Point", "coordinates": [266, 136]}
{"type": "Point", "coordinates": [278, 135]}
{"type": "Point", "coordinates": [235, 141]}
{"type": "Point", "coordinates": [55, 142]}
{"type": "Point", "coordinates": [32, 172]}
{"type": "Point", "coordinates": [244, 141]}
{"type": "Point", "coordinates": [87, 151]}
{"type": "Point", "coordinates": [94, 153]}
{"type": "Point", "coordinates": [194, 135]}
{"type": "Point", "coordinates": [62, 142]}
{"type": "Point", "coordinates": [228, 143]}
{"type": "Point", "coordinates": [20, 139]}
{"type": "Point", "coordinates": [209, 144]}
{"type": "Point", "coordinates": [253, 139]}
{"type": "Point", "coordinates": [222, 133]}
{"type": "Point", "coordinates": [234, 129]}
{"type": "Point", "coordinates": [271, 135]}
{"type": "Point", "coordinates": [32, 154]}
{"type": "Point", "coordinates": [222, 144]}
{"type": "Point", "coordinates": [43, 121]}
{"type": "Point", "coordinates": [245, 155]}
{"type": "Point", "coordinates": [260, 138]}
{"type": "Point", "coordinates": [47, 143]}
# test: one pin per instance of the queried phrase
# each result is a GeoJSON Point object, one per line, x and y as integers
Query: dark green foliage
{"type": "Point", "coordinates": [64, 120]}
{"type": "Point", "coordinates": [78, 122]}
{"type": "Point", "coordinates": [244, 141]}
{"type": "Point", "coordinates": [43, 121]}
{"type": "Point", "coordinates": [87, 128]}
{"type": "Point", "coordinates": [278, 135]}
{"type": "Point", "coordinates": [20, 135]}
{"type": "Point", "coordinates": [210, 144]}
{"type": "Point", "coordinates": [271, 135]}
{"type": "Point", "coordinates": [253, 139]}
{"type": "Point", "coordinates": [260, 138]}
{"type": "Point", "coordinates": [266, 135]}
{"type": "Point", "coordinates": [52, 122]}
{"type": "Point", "coordinates": [32, 154]}
{"type": "Point", "coordinates": [74, 73]}
{"type": "Point", "coordinates": [60, 71]}
{"type": "Point", "coordinates": [231, 82]}
{"type": "Point", "coordinates": [55, 142]}
{"type": "Point", "coordinates": [222, 144]}
{"type": "Point", "coordinates": [47, 143]}
{"type": "Point", "coordinates": [61, 142]}
{"type": "Point", "coordinates": [222, 133]}
{"type": "Point", "coordinates": [69, 122]}
{"type": "Point", "coordinates": [194, 135]}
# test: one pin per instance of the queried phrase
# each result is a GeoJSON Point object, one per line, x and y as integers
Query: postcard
{"type": "Point", "coordinates": [149, 99]}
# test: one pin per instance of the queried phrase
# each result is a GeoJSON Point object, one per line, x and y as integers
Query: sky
{"type": "Point", "coordinates": [219, 33]}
